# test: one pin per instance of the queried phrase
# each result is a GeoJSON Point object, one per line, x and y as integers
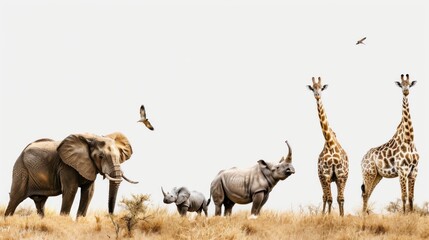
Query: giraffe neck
{"type": "Point", "coordinates": [405, 129]}
{"type": "Point", "coordinates": [326, 130]}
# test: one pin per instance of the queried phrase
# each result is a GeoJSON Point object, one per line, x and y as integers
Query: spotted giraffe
{"type": "Point", "coordinates": [397, 157]}
{"type": "Point", "coordinates": [333, 165]}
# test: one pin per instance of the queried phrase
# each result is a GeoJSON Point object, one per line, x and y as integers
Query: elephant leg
{"type": "Point", "coordinates": [68, 198]}
{"type": "Point", "coordinates": [86, 193]}
{"type": "Point", "coordinates": [40, 204]}
{"type": "Point", "coordinates": [69, 179]}
{"type": "Point", "coordinates": [17, 194]}
{"type": "Point", "coordinates": [258, 199]}
{"type": "Point", "coordinates": [13, 204]}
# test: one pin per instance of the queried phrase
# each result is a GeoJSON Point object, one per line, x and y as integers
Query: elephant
{"type": "Point", "coordinates": [244, 186]}
{"type": "Point", "coordinates": [186, 201]}
{"type": "Point", "coordinates": [49, 168]}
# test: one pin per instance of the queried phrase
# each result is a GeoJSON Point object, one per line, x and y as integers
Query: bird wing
{"type": "Point", "coordinates": [142, 112]}
{"type": "Point", "coordinates": [361, 41]}
{"type": "Point", "coordinates": [147, 124]}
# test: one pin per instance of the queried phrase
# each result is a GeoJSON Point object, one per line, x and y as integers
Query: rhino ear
{"type": "Point", "coordinates": [123, 145]}
{"type": "Point", "coordinates": [263, 164]}
{"type": "Point", "coordinates": [182, 195]}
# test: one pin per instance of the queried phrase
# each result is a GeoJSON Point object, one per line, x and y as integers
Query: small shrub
{"type": "Point", "coordinates": [314, 210]}
{"type": "Point", "coordinates": [395, 206]}
{"type": "Point", "coordinates": [423, 210]}
{"type": "Point", "coordinates": [136, 210]}
{"type": "Point", "coordinates": [24, 212]}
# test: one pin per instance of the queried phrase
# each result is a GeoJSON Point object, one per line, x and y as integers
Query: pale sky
{"type": "Point", "coordinates": [223, 83]}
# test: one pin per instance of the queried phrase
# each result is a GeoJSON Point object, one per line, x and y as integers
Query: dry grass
{"type": "Point", "coordinates": [270, 225]}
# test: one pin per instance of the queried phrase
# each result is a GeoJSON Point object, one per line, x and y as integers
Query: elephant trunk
{"type": "Point", "coordinates": [113, 188]}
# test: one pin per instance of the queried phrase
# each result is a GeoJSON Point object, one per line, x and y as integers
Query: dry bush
{"type": "Point", "coordinates": [396, 207]}
{"type": "Point", "coordinates": [25, 211]}
{"type": "Point", "coordinates": [135, 210]}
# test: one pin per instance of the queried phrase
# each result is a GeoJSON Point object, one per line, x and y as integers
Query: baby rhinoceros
{"type": "Point", "coordinates": [186, 200]}
{"type": "Point", "coordinates": [254, 184]}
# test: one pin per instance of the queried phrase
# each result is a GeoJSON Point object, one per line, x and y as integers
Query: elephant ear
{"type": "Point", "coordinates": [182, 195]}
{"type": "Point", "coordinates": [74, 151]}
{"type": "Point", "coordinates": [123, 145]}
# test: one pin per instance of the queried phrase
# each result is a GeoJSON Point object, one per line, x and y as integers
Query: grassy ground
{"type": "Point", "coordinates": [160, 224]}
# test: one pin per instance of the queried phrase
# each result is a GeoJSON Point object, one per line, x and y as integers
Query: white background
{"type": "Point", "coordinates": [223, 82]}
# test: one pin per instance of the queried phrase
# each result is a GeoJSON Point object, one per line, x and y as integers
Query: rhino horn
{"type": "Point", "coordinates": [289, 155]}
{"type": "Point", "coordinates": [163, 191]}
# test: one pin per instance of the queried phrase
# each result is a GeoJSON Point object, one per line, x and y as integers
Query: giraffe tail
{"type": "Point", "coordinates": [362, 188]}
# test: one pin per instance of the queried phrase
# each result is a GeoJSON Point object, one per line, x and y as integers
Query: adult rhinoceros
{"type": "Point", "coordinates": [244, 186]}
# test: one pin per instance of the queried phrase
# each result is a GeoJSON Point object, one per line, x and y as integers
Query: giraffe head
{"type": "Point", "coordinates": [317, 87]}
{"type": "Point", "coordinates": [405, 84]}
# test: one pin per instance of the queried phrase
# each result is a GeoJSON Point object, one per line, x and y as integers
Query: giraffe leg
{"type": "Point", "coordinates": [411, 182]}
{"type": "Point", "coordinates": [341, 184]}
{"type": "Point", "coordinates": [327, 195]}
{"type": "Point", "coordinates": [403, 181]}
{"type": "Point", "coordinates": [370, 182]}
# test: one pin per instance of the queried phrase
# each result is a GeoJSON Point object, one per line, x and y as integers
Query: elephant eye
{"type": "Point", "coordinates": [101, 156]}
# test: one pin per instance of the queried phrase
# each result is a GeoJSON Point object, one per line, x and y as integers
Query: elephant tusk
{"type": "Point", "coordinates": [128, 180]}
{"type": "Point", "coordinates": [112, 179]}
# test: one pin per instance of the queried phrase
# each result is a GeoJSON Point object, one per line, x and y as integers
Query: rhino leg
{"type": "Point", "coordinates": [228, 206]}
{"type": "Point", "coordinates": [182, 210]}
{"type": "Point", "coordinates": [259, 199]}
{"type": "Point", "coordinates": [218, 209]}
{"type": "Point", "coordinates": [218, 195]}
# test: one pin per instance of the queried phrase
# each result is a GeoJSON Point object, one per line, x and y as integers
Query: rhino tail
{"type": "Point", "coordinates": [208, 200]}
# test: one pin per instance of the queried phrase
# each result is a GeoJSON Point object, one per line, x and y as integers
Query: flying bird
{"type": "Point", "coordinates": [144, 119]}
{"type": "Point", "coordinates": [361, 41]}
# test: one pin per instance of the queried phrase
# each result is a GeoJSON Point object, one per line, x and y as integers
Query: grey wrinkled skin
{"type": "Point", "coordinates": [243, 186]}
{"type": "Point", "coordinates": [50, 168]}
{"type": "Point", "coordinates": [186, 201]}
